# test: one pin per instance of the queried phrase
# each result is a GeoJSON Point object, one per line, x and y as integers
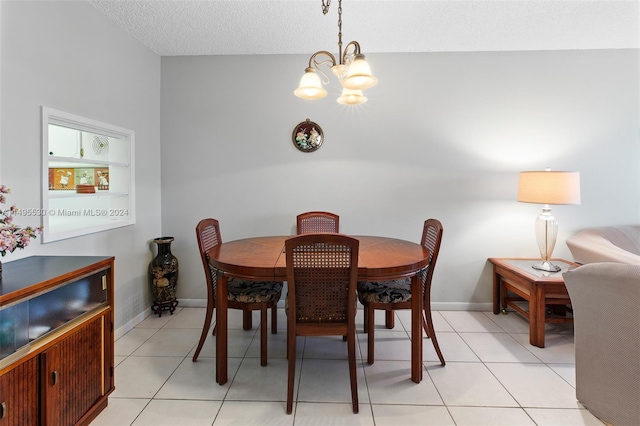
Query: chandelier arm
{"type": "Point", "coordinates": [315, 63]}
{"type": "Point", "coordinates": [346, 54]}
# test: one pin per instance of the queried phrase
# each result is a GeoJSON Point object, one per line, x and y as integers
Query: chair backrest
{"type": "Point", "coordinates": [208, 237]}
{"type": "Point", "coordinates": [317, 222]}
{"type": "Point", "coordinates": [322, 271]}
{"type": "Point", "coordinates": [431, 239]}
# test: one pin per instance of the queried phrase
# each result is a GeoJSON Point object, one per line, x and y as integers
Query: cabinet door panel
{"type": "Point", "coordinates": [72, 375]}
{"type": "Point", "coordinates": [19, 395]}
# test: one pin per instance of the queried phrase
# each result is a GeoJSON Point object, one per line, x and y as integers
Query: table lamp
{"type": "Point", "coordinates": [547, 187]}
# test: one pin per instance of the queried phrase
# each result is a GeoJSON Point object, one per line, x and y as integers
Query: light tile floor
{"type": "Point", "coordinates": [492, 377]}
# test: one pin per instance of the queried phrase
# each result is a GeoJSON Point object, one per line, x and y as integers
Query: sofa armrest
{"type": "Point", "coordinates": [606, 244]}
{"type": "Point", "coordinates": [605, 298]}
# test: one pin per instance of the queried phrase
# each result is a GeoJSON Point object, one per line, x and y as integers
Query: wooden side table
{"type": "Point", "coordinates": [515, 280]}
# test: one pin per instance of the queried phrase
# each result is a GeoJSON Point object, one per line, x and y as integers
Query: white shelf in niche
{"type": "Point", "coordinates": [61, 162]}
{"type": "Point", "coordinates": [98, 193]}
{"type": "Point", "coordinates": [79, 153]}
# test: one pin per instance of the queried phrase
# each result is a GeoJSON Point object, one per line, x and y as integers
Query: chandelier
{"type": "Point", "coordinates": [351, 69]}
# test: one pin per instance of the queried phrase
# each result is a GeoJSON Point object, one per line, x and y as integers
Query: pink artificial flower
{"type": "Point", "coordinates": [11, 236]}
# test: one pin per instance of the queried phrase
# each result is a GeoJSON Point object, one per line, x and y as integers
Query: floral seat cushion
{"type": "Point", "coordinates": [246, 291]}
{"type": "Point", "coordinates": [394, 291]}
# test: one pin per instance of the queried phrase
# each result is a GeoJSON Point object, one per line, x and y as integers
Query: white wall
{"type": "Point", "coordinates": [67, 56]}
{"type": "Point", "coordinates": [443, 135]}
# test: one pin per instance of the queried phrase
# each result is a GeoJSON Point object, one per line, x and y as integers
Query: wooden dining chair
{"type": "Point", "coordinates": [242, 294]}
{"type": "Point", "coordinates": [396, 294]}
{"type": "Point", "coordinates": [317, 222]}
{"type": "Point", "coordinates": [322, 271]}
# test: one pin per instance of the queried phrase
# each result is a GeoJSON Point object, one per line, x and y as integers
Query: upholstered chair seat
{"type": "Point", "coordinates": [394, 291]}
{"type": "Point", "coordinates": [254, 291]}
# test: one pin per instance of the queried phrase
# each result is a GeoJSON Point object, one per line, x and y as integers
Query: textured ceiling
{"type": "Point", "coordinates": [239, 27]}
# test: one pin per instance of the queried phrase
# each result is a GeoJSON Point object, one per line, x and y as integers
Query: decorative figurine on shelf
{"type": "Point", "coordinates": [163, 277]}
{"type": "Point", "coordinates": [64, 178]}
{"type": "Point", "coordinates": [103, 182]}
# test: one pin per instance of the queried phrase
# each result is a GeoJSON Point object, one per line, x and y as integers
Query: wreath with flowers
{"type": "Point", "coordinates": [12, 237]}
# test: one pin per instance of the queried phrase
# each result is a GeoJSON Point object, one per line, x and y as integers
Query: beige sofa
{"type": "Point", "coordinates": [605, 297]}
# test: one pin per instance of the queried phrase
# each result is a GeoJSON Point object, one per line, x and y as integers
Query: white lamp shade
{"type": "Point", "coordinates": [351, 97]}
{"type": "Point", "coordinates": [310, 86]}
{"type": "Point", "coordinates": [359, 75]}
{"type": "Point", "coordinates": [549, 187]}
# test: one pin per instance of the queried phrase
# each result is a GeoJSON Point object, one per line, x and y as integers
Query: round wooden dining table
{"type": "Point", "coordinates": [263, 259]}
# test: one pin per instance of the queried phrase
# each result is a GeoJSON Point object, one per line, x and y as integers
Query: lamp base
{"type": "Point", "coordinates": [546, 266]}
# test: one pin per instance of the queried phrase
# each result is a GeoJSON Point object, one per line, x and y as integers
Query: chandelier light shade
{"type": "Point", "coordinates": [351, 69]}
{"type": "Point", "coordinates": [351, 97]}
{"type": "Point", "coordinates": [547, 187]}
{"type": "Point", "coordinates": [310, 86]}
{"type": "Point", "coordinates": [359, 75]}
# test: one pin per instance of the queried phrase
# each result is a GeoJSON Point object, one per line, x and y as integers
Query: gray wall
{"type": "Point", "coordinates": [443, 135]}
{"type": "Point", "coordinates": [67, 56]}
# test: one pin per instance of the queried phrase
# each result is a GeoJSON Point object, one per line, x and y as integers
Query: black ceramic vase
{"type": "Point", "coordinates": [163, 277]}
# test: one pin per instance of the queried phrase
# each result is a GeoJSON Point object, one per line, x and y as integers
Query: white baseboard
{"type": "Point", "coordinates": [121, 331]}
{"type": "Point", "coordinates": [192, 303]}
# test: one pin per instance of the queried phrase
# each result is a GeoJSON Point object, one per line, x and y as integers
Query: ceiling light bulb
{"type": "Point", "coordinates": [310, 86]}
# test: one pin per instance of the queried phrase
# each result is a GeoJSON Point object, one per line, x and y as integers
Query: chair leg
{"type": "Point", "coordinates": [425, 327]}
{"type": "Point", "coordinates": [291, 355]}
{"type": "Point", "coordinates": [247, 319]}
{"type": "Point", "coordinates": [389, 319]}
{"type": "Point", "coordinates": [205, 329]}
{"type": "Point", "coordinates": [351, 348]}
{"type": "Point", "coordinates": [432, 334]}
{"type": "Point", "coordinates": [274, 318]}
{"type": "Point", "coordinates": [263, 334]}
{"type": "Point", "coordinates": [366, 318]}
{"type": "Point", "coordinates": [370, 330]}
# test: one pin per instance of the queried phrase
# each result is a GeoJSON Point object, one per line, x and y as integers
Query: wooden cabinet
{"type": "Point", "coordinates": [19, 395]}
{"type": "Point", "coordinates": [57, 340]}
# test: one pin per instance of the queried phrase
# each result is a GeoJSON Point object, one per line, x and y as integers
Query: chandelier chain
{"type": "Point", "coordinates": [339, 30]}
{"type": "Point", "coordinates": [325, 6]}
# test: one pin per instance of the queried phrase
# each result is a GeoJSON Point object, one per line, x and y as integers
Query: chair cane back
{"type": "Point", "coordinates": [317, 222]}
{"type": "Point", "coordinates": [322, 272]}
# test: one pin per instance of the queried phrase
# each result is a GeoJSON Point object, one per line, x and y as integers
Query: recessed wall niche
{"type": "Point", "coordinates": [88, 176]}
